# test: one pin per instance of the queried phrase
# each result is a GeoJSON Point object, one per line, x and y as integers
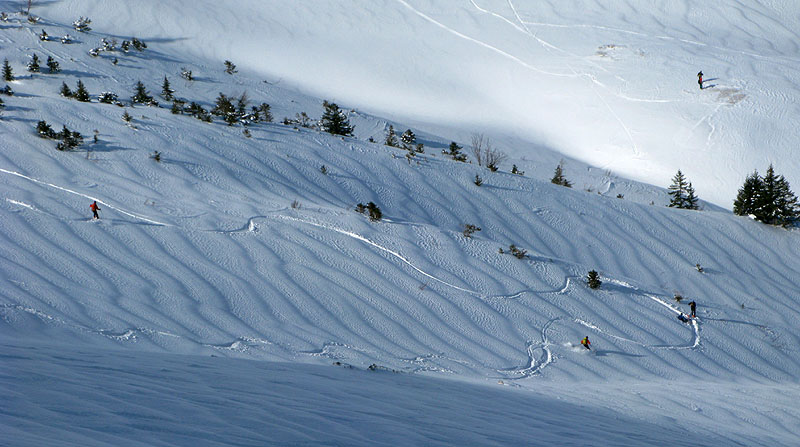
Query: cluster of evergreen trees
{"type": "Point", "coordinates": [68, 139]}
{"type": "Point", "coordinates": [768, 199]}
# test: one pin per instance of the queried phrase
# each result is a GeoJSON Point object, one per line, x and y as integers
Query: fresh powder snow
{"type": "Point", "coordinates": [230, 294]}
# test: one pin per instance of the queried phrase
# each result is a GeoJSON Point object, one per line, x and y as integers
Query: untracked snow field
{"type": "Point", "coordinates": [230, 294]}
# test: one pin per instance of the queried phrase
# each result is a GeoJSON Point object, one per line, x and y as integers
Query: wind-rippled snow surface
{"type": "Point", "coordinates": [125, 330]}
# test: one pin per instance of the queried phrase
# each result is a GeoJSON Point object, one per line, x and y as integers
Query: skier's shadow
{"type": "Point", "coordinates": [705, 81]}
{"type": "Point", "coordinates": [600, 353]}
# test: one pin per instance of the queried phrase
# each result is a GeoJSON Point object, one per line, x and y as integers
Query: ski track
{"type": "Point", "coordinates": [391, 252]}
{"type": "Point", "coordinates": [105, 204]}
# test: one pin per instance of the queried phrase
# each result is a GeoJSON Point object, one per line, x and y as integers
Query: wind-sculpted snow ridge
{"type": "Point", "coordinates": [246, 247]}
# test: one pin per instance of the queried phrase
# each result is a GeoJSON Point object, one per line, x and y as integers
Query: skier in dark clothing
{"type": "Point", "coordinates": [700, 79]}
{"type": "Point", "coordinates": [693, 306]}
{"type": "Point", "coordinates": [585, 342]}
{"type": "Point", "coordinates": [94, 209]}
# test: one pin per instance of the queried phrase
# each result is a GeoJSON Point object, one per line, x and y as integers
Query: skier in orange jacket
{"type": "Point", "coordinates": [94, 209]}
{"type": "Point", "coordinates": [585, 342]}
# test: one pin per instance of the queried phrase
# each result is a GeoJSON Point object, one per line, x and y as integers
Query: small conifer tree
{"type": "Point", "coordinates": [230, 68]}
{"type": "Point", "coordinates": [478, 180]}
{"type": "Point", "coordinates": [334, 120]}
{"type": "Point", "coordinates": [265, 112]}
{"type": "Point", "coordinates": [108, 98]}
{"type": "Point", "coordinates": [777, 204]}
{"type": "Point", "coordinates": [187, 74]}
{"type": "Point", "coordinates": [81, 94]}
{"type": "Point", "coordinates": [677, 191]}
{"type": "Point", "coordinates": [748, 197]}
{"type": "Point", "coordinates": [391, 137]}
{"type": "Point", "coordinates": [138, 44]}
{"type": "Point", "coordinates": [82, 24]}
{"type": "Point", "coordinates": [8, 73]}
{"type": "Point", "coordinates": [454, 152]}
{"type": "Point", "coordinates": [52, 65]}
{"type": "Point", "coordinates": [593, 279]}
{"type": "Point", "coordinates": [33, 65]}
{"type": "Point", "coordinates": [691, 198]}
{"type": "Point", "coordinates": [44, 130]}
{"type": "Point", "coordinates": [241, 105]}
{"type": "Point", "coordinates": [141, 95]}
{"type": "Point", "coordinates": [374, 212]}
{"type": "Point", "coordinates": [408, 138]}
{"type": "Point", "coordinates": [177, 107]}
{"type": "Point", "coordinates": [224, 108]}
{"type": "Point", "coordinates": [127, 117]}
{"type": "Point", "coordinates": [65, 90]}
{"type": "Point", "coordinates": [558, 176]}
{"type": "Point", "coordinates": [470, 229]}
{"type": "Point", "coordinates": [166, 90]}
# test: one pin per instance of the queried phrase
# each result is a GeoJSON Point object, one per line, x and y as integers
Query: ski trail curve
{"type": "Point", "coordinates": [387, 250]}
{"type": "Point", "coordinates": [533, 366]}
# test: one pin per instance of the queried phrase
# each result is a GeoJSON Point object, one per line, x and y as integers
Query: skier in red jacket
{"type": "Point", "coordinates": [700, 79]}
{"type": "Point", "coordinates": [94, 209]}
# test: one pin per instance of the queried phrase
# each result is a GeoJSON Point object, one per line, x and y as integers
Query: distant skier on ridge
{"type": "Point", "coordinates": [585, 342]}
{"type": "Point", "coordinates": [700, 79]}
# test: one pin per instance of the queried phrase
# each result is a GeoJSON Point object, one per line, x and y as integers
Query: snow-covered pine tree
{"type": "Point", "coordinates": [691, 199]}
{"type": "Point", "coordinates": [141, 95]}
{"type": "Point", "coordinates": [677, 191]}
{"type": "Point", "coordinates": [777, 204]}
{"type": "Point", "coordinates": [558, 176]}
{"type": "Point", "coordinates": [81, 94]}
{"type": "Point", "coordinates": [224, 108]}
{"type": "Point", "coordinates": [266, 114]}
{"type": "Point", "coordinates": [334, 120]}
{"type": "Point", "coordinates": [166, 90]}
{"type": "Point", "coordinates": [593, 279]}
{"type": "Point", "coordinates": [33, 65]}
{"type": "Point", "coordinates": [177, 107]}
{"type": "Point", "coordinates": [8, 73]}
{"type": "Point", "coordinates": [52, 65]}
{"type": "Point", "coordinates": [454, 152]}
{"type": "Point", "coordinates": [138, 44]}
{"type": "Point", "coordinates": [747, 198]}
{"type": "Point", "coordinates": [230, 68]}
{"type": "Point", "coordinates": [108, 98]}
{"type": "Point", "coordinates": [241, 105]}
{"type": "Point", "coordinates": [65, 90]}
{"type": "Point", "coordinates": [44, 130]}
{"type": "Point", "coordinates": [391, 137]}
{"type": "Point", "coordinates": [187, 74]}
{"type": "Point", "coordinates": [408, 138]}
{"type": "Point", "coordinates": [82, 24]}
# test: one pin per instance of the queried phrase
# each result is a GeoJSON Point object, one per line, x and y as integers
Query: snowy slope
{"type": "Point", "coordinates": [611, 84]}
{"type": "Point", "coordinates": [204, 255]}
